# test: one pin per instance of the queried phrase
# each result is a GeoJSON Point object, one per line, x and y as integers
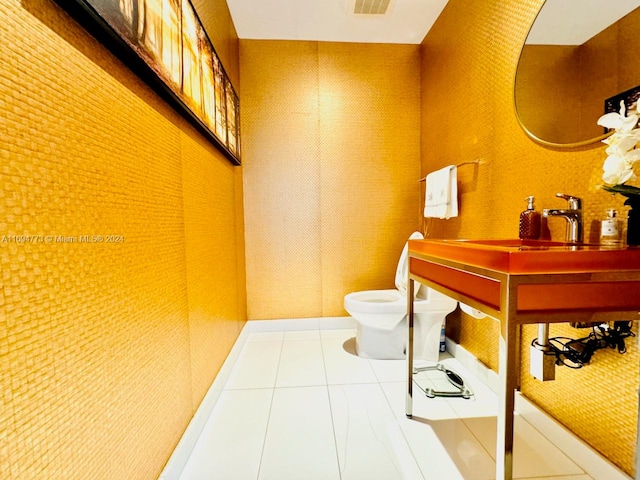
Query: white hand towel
{"type": "Point", "coordinates": [441, 193]}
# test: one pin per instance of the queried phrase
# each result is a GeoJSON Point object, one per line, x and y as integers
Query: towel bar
{"type": "Point", "coordinates": [470, 162]}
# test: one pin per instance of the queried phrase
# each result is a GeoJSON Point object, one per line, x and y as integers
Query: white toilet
{"type": "Point", "coordinates": [381, 317]}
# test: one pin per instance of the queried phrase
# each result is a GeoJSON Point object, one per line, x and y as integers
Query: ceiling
{"type": "Point", "coordinates": [406, 21]}
{"type": "Point", "coordinates": [561, 22]}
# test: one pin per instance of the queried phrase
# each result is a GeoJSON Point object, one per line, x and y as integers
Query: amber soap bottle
{"type": "Point", "coordinates": [529, 221]}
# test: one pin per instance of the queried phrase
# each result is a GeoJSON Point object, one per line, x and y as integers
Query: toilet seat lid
{"type": "Point", "coordinates": [403, 266]}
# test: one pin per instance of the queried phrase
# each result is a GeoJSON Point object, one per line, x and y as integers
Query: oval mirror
{"type": "Point", "coordinates": [579, 56]}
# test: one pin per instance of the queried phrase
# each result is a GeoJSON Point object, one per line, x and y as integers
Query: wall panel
{"type": "Point", "coordinates": [212, 254]}
{"type": "Point", "coordinates": [100, 371]}
{"type": "Point", "coordinates": [331, 170]}
{"type": "Point", "coordinates": [281, 178]}
{"type": "Point", "coordinates": [369, 126]}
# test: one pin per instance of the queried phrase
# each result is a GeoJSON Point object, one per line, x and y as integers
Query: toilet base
{"type": "Point", "coordinates": [384, 344]}
{"type": "Point", "coordinates": [381, 344]}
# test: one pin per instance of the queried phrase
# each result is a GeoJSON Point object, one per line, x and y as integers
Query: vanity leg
{"type": "Point", "coordinates": [508, 380]}
{"type": "Point", "coordinates": [409, 398]}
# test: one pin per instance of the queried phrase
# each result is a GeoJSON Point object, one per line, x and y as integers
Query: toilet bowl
{"type": "Point", "coordinates": [381, 317]}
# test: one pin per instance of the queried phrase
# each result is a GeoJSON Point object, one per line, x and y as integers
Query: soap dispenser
{"type": "Point", "coordinates": [611, 229]}
{"type": "Point", "coordinates": [530, 221]}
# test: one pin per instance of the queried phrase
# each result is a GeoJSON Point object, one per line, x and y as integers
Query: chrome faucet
{"type": "Point", "coordinates": [572, 214]}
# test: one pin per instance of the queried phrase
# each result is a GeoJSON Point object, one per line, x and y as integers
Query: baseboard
{"type": "Point", "coordinates": [176, 463]}
{"type": "Point", "coordinates": [475, 366]}
{"type": "Point", "coordinates": [594, 464]}
{"type": "Point", "coordinates": [300, 324]}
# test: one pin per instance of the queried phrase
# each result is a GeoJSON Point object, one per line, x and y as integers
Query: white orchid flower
{"type": "Point", "coordinates": [617, 170]}
{"type": "Point", "coordinates": [632, 156]}
{"type": "Point", "coordinates": [623, 150]}
{"type": "Point", "coordinates": [622, 142]}
{"type": "Point", "coordinates": [620, 122]}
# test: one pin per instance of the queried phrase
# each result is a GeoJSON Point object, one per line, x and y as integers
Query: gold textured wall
{"type": "Point", "coordinates": [331, 152]}
{"type": "Point", "coordinates": [105, 348]}
{"type": "Point", "coordinates": [467, 113]}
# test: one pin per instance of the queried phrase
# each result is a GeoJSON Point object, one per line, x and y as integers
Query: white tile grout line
{"type": "Point", "coordinates": [333, 423]}
{"type": "Point", "coordinates": [273, 394]}
{"type": "Point", "coordinates": [593, 463]}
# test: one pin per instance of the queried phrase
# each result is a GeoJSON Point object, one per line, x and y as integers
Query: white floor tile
{"type": "Point", "coordinates": [369, 442]}
{"type": "Point", "coordinates": [595, 466]}
{"type": "Point", "coordinates": [343, 367]}
{"type": "Point", "coordinates": [441, 443]}
{"type": "Point", "coordinates": [389, 370]}
{"type": "Point", "coordinates": [301, 364]}
{"type": "Point", "coordinates": [265, 337]}
{"type": "Point", "coordinates": [447, 449]}
{"type": "Point", "coordinates": [230, 445]}
{"type": "Point", "coordinates": [483, 403]}
{"type": "Point", "coordinates": [338, 333]}
{"type": "Point", "coordinates": [533, 454]}
{"type": "Point", "coordinates": [300, 442]}
{"type": "Point", "coordinates": [303, 405]}
{"type": "Point", "coordinates": [302, 335]}
{"type": "Point", "coordinates": [256, 367]}
{"type": "Point", "coordinates": [423, 407]}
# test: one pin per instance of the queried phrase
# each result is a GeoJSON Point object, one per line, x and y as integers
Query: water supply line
{"type": "Point", "coordinates": [543, 337]}
{"type": "Point", "coordinates": [541, 355]}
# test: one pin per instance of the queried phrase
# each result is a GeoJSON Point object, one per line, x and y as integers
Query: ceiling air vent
{"type": "Point", "coordinates": [371, 7]}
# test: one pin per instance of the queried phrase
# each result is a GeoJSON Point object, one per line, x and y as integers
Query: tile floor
{"type": "Point", "coordinates": [300, 406]}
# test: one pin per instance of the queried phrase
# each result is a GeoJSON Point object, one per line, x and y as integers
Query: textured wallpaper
{"type": "Point", "coordinates": [331, 147]}
{"type": "Point", "coordinates": [121, 255]}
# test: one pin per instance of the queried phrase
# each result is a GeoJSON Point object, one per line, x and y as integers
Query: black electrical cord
{"type": "Point", "coordinates": [575, 353]}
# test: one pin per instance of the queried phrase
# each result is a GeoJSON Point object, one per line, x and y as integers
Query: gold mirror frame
{"type": "Point", "coordinates": [546, 143]}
